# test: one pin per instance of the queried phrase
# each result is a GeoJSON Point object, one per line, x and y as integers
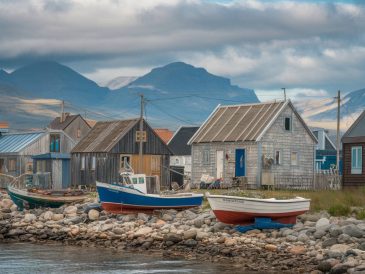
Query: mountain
{"type": "Point", "coordinates": [176, 94]}
{"type": "Point", "coordinates": [120, 82]}
{"type": "Point", "coordinates": [52, 80]}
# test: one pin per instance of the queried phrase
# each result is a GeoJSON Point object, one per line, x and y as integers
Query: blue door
{"type": "Point", "coordinates": [240, 162]}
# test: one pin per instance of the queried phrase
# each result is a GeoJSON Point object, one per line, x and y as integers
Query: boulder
{"type": "Point", "coordinates": [189, 215]}
{"type": "Point", "coordinates": [14, 208]}
{"type": "Point", "coordinates": [118, 230]}
{"type": "Point", "coordinates": [338, 250]}
{"type": "Point", "coordinates": [74, 230]}
{"type": "Point", "coordinates": [70, 211]}
{"type": "Point", "coordinates": [297, 249]}
{"type": "Point", "coordinates": [143, 231]}
{"type": "Point", "coordinates": [202, 235]}
{"type": "Point", "coordinates": [339, 269]}
{"type": "Point", "coordinates": [322, 223]}
{"type": "Point", "coordinates": [198, 222]}
{"type": "Point", "coordinates": [218, 226]}
{"type": "Point", "coordinates": [230, 242]}
{"type": "Point", "coordinates": [190, 234]}
{"type": "Point", "coordinates": [271, 247]}
{"type": "Point", "coordinates": [48, 215]}
{"type": "Point", "coordinates": [335, 230]}
{"type": "Point", "coordinates": [143, 217]}
{"type": "Point", "coordinates": [325, 266]}
{"type": "Point", "coordinates": [173, 237]}
{"type": "Point", "coordinates": [6, 203]}
{"type": "Point", "coordinates": [57, 217]}
{"type": "Point", "coordinates": [329, 242]}
{"type": "Point", "coordinates": [302, 237]}
{"type": "Point", "coordinates": [167, 217]}
{"type": "Point", "coordinates": [190, 243]}
{"type": "Point", "coordinates": [93, 214]}
{"type": "Point", "coordinates": [28, 218]}
{"type": "Point", "coordinates": [353, 231]}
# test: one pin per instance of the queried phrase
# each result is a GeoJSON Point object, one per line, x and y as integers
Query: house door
{"type": "Point", "coordinates": [240, 162]}
{"type": "Point", "coordinates": [220, 163]}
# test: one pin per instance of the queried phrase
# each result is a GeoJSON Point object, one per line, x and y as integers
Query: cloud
{"type": "Point", "coordinates": [259, 44]}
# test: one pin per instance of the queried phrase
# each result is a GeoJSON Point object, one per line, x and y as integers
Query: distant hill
{"type": "Point", "coordinates": [120, 82]}
{"type": "Point", "coordinates": [176, 94]}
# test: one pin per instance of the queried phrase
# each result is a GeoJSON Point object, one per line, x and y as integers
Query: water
{"type": "Point", "coordinates": [30, 258]}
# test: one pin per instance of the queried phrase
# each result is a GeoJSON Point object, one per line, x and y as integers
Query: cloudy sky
{"type": "Point", "coordinates": [310, 47]}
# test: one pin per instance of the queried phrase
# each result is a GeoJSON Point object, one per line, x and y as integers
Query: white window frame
{"type": "Point", "coordinates": [290, 123]}
{"type": "Point", "coordinates": [356, 163]}
{"type": "Point", "coordinates": [83, 160]}
{"type": "Point", "coordinates": [206, 157]}
{"type": "Point", "coordinates": [291, 159]}
{"type": "Point", "coordinates": [277, 150]}
{"type": "Point", "coordinates": [93, 162]}
{"type": "Point", "coordinates": [121, 165]}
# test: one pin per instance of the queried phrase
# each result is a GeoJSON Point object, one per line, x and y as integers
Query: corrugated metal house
{"type": "Point", "coordinates": [181, 150]}
{"type": "Point", "coordinates": [17, 149]}
{"type": "Point", "coordinates": [264, 143]}
{"type": "Point", "coordinates": [110, 147]}
{"type": "Point", "coordinates": [353, 147]}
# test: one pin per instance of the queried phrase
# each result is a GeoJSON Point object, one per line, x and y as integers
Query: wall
{"type": "Point", "coordinates": [182, 160]}
{"type": "Point", "coordinates": [352, 180]}
{"type": "Point", "coordinates": [78, 123]}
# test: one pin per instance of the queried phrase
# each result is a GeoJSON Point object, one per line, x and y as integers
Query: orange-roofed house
{"type": "Point", "coordinates": [164, 133]}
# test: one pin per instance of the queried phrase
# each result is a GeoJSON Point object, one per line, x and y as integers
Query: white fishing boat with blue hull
{"type": "Point", "coordinates": [130, 196]}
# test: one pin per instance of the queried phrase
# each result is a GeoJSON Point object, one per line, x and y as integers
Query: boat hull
{"type": "Point", "coordinates": [119, 199]}
{"type": "Point", "coordinates": [30, 201]}
{"type": "Point", "coordinates": [243, 211]}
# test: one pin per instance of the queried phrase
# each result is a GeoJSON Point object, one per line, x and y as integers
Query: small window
{"type": "Point", "coordinates": [55, 143]}
{"type": "Point", "coordinates": [93, 163]}
{"type": "Point", "coordinates": [356, 160]}
{"type": "Point", "coordinates": [277, 157]}
{"type": "Point", "coordinates": [78, 134]}
{"type": "Point", "coordinates": [141, 180]}
{"type": "Point", "coordinates": [125, 162]}
{"type": "Point", "coordinates": [294, 158]}
{"type": "Point", "coordinates": [206, 158]}
{"type": "Point", "coordinates": [82, 162]}
{"type": "Point", "coordinates": [12, 165]}
{"type": "Point", "coordinates": [287, 124]}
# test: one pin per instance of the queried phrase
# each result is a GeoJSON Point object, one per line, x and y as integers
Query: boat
{"type": "Point", "coordinates": [35, 198]}
{"type": "Point", "coordinates": [130, 196]}
{"type": "Point", "coordinates": [243, 211]}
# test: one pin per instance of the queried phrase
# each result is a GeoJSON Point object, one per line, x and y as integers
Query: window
{"type": "Point", "coordinates": [78, 133]}
{"type": "Point", "coordinates": [277, 157]}
{"type": "Point", "coordinates": [287, 123]}
{"type": "Point", "coordinates": [125, 162]}
{"type": "Point", "coordinates": [82, 162]}
{"type": "Point", "coordinates": [294, 158]}
{"type": "Point", "coordinates": [55, 143]}
{"type": "Point", "coordinates": [12, 165]}
{"type": "Point", "coordinates": [206, 158]}
{"type": "Point", "coordinates": [356, 160]}
{"type": "Point", "coordinates": [93, 163]}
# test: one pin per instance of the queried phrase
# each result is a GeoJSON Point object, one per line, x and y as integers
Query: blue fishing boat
{"type": "Point", "coordinates": [130, 195]}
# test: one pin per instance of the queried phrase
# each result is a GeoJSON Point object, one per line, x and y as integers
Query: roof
{"type": "Point", "coordinates": [52, 155]}
{"type": "Point", "coordinates": [179, 142]}
{"type": "Point", "coordinates": [356, 132]}
{"type": "Point", "coordinates": [164, 133]}
{"type": "Point", "coordinates": [56, 123]}
{"type": "Point", "coordinates": [4, 124]}
{"type": "Point", "coordinates": [16, 142]}
{"type": "Point", "coordinates": [104, 135]}
{"type": "Point", "coordinates": [91, 123]}
{"type": "Point", "coordinates": [246, 122]}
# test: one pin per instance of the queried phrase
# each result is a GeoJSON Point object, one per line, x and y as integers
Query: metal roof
{"type": "Point", "coordinates": [179, 142]}
{"type": "Point", "coordinates": [13, 143]}
{"type": "Point", "coordinates": [246, 122]}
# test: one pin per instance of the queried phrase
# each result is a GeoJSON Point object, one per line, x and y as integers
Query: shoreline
{"type": "Point", "coordinates": [316, 244]}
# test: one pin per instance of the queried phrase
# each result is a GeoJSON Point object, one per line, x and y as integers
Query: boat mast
{"type": "Point", "coordinates": [140, 165]}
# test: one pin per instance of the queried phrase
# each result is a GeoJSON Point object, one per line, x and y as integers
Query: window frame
{"type": "Point", "coordinates": [297, 158]}
{"type": "Point", "coordinates": [290, 123]}
{"type": "Point", "coordinates": [280, 157]}
{"type": "Point", "coordinates": [121, 163]}
{"type": "Point", "coordinates": [53, 137]}
{"type": "Point", "coordinates": [83, 163]}
{"type": "Point", "coordinates": [206, 157]}
{"type": "Point", "coordinates": [93, 162]}
{"type": "Point", "coordinates": [356, 169]}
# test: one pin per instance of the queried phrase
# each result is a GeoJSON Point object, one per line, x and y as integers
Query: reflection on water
{"type": "Point", "coordinates": [29, 258]}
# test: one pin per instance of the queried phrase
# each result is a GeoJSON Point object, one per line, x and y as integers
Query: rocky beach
{"type": "Point", "coordinates": [318, 243]}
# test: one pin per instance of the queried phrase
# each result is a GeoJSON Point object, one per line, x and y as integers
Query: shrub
{"type": "Point", "coordinates": [339, 210]}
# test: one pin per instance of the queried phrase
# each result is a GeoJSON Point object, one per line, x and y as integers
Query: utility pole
{"type": "Point", "coordinates": [338, 97]}
{"type": "Point", "coordinates": [140, 165]}
{"type": "Point", "coordinates": [284, 89]}
{"type": "Point", "coordinates": [62, 111]}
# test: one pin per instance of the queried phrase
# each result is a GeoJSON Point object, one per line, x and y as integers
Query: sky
{"type": "Point", "coordinates": [312, 48]}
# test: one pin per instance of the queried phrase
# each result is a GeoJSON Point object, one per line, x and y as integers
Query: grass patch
{"type": "Point", "coordinates": [339, 210]}
{"type": "Point", "coordinates": [360, 215]}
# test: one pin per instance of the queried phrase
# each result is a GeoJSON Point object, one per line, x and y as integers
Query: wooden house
{"type": "Point", "coordinates": [17, 149]}
{"type": "Point", "coordinates": [73, 125]}
{"type": "Point", "coordinates": [111, 147]}
{"type": "Point", "coordinates": [262, 144]}
{"type": "Point", "coordinates": [353, 147]}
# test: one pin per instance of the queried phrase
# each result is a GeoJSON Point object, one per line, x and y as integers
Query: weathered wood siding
{"type": "Point", "coordinates": [348, 179]}
{"type": "Point", "coordinates": [77, 124]}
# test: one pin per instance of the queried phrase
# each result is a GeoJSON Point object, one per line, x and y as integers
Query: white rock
{"type": "Point", "coordinates": [48, 215]}
{"type": "Point", "coordinates": [28, 218]}
{"type": "Point", "coordinates": [143, 231]}
{"type": "Point", "coordinates": [340, 248]}
{"type": "Point", "coordinates": [201, 235]}
{"type": "Point", "coordinates": [6, 203]}
{"type": "Point", "coordinates": [93, 214]}
{"type": "Point", "coordinates": [70, 210]}
{"type": "Point", "coordinates": [57, 217]}
{"type": "Point", "coordinates": [14, 208]}
{"type": "Point", "coordinates": [323, 222]}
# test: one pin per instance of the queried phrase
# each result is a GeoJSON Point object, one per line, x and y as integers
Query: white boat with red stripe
{"type": "Point", "coordinates": [243, 211]}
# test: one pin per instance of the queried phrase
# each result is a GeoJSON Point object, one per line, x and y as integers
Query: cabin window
{"type": "Point", "coordinates": [12, 165]}
{"type": "Point", "coordinates": [287, 123]}
{"type": "Point", "coordinates": [78, 133]}
{"type": "Point", "coordinates": [141, 180]}
{"type": "Point", "coordinates": [206, 158]}
{"type": "Point", "coordinates": [93, 163]}
{"type": "Point", "coordinates": [294, 158]}
{"type": "Point", "coordinates": [82, 162]}
{"type": "Point", "coordinates": [55, 143]}
{"type": "Point", "coordinates": [277, 157]}
{"type": "Point", "coordinates": [125, 162]}
{"type": "Point", "coordinates": [356, 160]}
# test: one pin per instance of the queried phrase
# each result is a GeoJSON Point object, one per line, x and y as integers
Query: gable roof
{"type": "Point", "coordinates": [16, 142]}
{"type": "Point", "coordinates": [356, 130]}
{"type": "Point", "coordinates": [179, 142]}
{"type": "Point", "coordinates": [246, 122]}
{"type": "Point", "coordinates": [56, 123]}
{"type": "Point", "coordinates": [104, 135]}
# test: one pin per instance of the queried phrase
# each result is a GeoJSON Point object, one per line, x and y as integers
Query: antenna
{"type": "Point", "coordinates": [140, 165]}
